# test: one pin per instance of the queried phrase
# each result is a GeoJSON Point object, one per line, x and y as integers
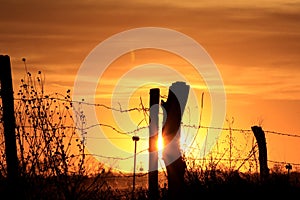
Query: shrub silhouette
{"type": "Point", "coordinates": [51, 154]}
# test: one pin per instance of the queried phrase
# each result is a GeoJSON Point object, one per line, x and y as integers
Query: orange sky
{"type": "Point", "coordinates": [256, 46]}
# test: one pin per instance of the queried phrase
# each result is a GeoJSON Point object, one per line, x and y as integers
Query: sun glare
{"type": "Point", "coordinates": [160, 143]}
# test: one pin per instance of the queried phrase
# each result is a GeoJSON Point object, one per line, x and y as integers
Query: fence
{"type": "Point", "coordinates": [50, 138]}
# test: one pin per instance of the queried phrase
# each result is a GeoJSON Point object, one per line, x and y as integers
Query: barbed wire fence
{"type": "Point", "coordinates": [142, 108]}
{"type": "Point", "coordinates": [51, 130]}
{"type": "Point", "coordinates": [49, 99]}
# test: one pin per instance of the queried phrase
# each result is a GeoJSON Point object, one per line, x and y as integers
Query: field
{"type": "Point", "coordinates": [198, 184]}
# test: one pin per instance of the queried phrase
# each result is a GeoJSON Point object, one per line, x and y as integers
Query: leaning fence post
{"type": "Point", "coordinates": [174, 108]}
{"type": "Point", "coordinates": [9, 120]}
{"type": "Point", "coordinates": [262, 150]}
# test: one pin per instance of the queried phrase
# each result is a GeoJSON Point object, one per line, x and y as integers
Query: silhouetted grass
{"type": "Point", "coordinates": [237, 185]}
{"type": "Point", "coordinates": [226, 185]}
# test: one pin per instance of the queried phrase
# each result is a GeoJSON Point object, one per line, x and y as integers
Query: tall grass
{"type": "Point", "coordinates": [51, 155]}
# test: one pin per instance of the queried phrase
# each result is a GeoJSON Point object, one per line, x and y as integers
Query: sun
{"type": "Point", "coordinates": [160, 143]}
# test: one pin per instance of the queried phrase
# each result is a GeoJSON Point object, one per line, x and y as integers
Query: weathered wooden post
{"type": "Point", "coordinates": [153, 151]}
{"type": "Point", "coordinates": [262, 152]}
{"type": "Point", "coordinates": [9, 121]}
{"type": "Point", "coordinates": [174, 108]}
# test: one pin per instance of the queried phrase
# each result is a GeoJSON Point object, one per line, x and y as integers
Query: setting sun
{"type": "Point", "coordinates": [160, 143]}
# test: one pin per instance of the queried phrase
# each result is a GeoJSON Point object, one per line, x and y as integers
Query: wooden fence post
{"type": "Point", "coordinates": [174, 107]}
{"type": "Point", "coordinates": [153, 151]}
{"type": "Point", "coordinates": [9, 120]}
{"type": "Point", "coordinates": [262, 152]}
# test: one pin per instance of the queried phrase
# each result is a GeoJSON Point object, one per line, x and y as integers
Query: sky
{"type": "Point", "coordinates": [254, 44]}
